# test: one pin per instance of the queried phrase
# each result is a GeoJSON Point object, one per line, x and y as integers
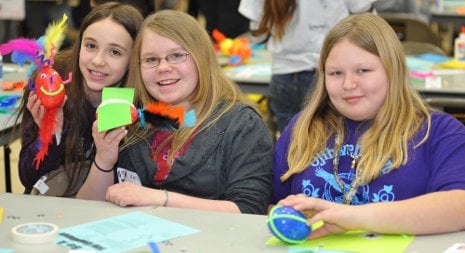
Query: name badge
{"type": "Point", "coordinates": [125, 175]}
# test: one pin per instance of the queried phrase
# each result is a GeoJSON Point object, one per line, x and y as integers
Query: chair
{"type": "Point", "coordinates": [453, 106]}
{"type": "Point", "coordinates": [415, 48]}
{"type": "Point", "coordinates": [409, 27]}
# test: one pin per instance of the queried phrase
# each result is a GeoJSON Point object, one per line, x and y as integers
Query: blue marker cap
{"type": "Point", "coordinates": [153, 247]}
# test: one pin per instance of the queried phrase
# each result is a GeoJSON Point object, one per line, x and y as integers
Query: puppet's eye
{"type": "Point", "coordinates": [43, 75]}
{"type": "Point", "coordinates": [55, 73]}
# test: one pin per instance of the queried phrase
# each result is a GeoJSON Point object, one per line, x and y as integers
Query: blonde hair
{"type": "Point", "coordinates": [214, 87]}
{"type": "Point", "coordinates": [390, 131]}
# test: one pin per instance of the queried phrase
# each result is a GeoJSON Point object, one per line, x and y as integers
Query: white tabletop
{"type": "Point", "coordinates": [219, 232]}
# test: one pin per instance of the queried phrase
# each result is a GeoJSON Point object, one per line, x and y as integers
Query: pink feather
{"type": "Point", "coordinates": [29, 47]}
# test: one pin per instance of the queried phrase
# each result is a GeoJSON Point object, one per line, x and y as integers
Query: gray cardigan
{"type": "Point", "coordinates": [232, 160]}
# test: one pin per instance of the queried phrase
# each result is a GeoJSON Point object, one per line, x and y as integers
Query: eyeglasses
{"type": "Point", "coordinates": [174, 58]}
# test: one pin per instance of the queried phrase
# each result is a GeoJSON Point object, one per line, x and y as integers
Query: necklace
{"type": "Point", "coordinates": [355, 183]}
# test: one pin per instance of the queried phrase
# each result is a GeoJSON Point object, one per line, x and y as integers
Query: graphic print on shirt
{"type": "Point", "coordinates": [331, 186]}
{"type": "Point", "coordinates": [384, 195]}
{"type": "Point", "coordinates": [322, 168]}
{"type": "Point", "coordinates": [309, 190]}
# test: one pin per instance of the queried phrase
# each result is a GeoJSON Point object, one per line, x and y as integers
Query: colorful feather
{"type": "Point", "coordinates": [166, 110]}
{"type": "Point", "coordinates": [48, 83]}
{"type": "Point", "coordinates": [24, 50]}
{"type": "Point", "coordinates": [45, 135]}
{"type": "Point", "coordinates": [54, 36]}
{"type": "Point", "coordinates": [164, 116]}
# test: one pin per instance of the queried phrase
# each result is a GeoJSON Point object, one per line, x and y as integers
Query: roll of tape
{"type": "Point", "coordinates": [34, 232]}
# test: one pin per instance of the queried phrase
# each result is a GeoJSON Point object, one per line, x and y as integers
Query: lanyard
{"type": "Point", "coordinates": [355, 183]}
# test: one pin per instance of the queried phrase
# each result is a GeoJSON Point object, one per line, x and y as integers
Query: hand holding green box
{"type": "Point", "coordinates": [115, 109]}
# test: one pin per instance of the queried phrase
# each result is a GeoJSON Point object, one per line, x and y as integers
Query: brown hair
{"type": "Point", "coordinates": [276, 15]}
{"type": "Point", "coordinates": [75, 107]}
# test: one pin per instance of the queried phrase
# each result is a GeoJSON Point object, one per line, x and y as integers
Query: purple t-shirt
{"type": "Point", "coordinates": [436, 165]}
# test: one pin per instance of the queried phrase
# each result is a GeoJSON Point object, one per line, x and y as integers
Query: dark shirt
{"type": "Point", "coordinates": [231, 160]}
{"type": "Point", "coordinates": [56, 152]}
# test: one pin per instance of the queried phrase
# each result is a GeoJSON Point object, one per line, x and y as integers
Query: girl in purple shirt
{"type": "Point", "coordinates": [366, 152]}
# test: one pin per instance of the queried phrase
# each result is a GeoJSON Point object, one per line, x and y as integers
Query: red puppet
{"type": "Point", "coordinates": [49, 85]}
{"type": "Point", "coordinates": [51, 92]}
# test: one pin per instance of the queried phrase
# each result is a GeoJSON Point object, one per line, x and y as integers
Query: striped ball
{"type": "Point", "coordinates": [288, 224]}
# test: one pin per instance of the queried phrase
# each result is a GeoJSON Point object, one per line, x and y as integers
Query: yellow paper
{"type": "Point", "coordinates": [453, 64]}
{"type": "Point", "coordinates": [1, 215]}
{"type": "Point", "coordinates": [353, 241]}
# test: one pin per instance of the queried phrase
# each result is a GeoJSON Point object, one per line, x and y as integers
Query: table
{"type": "Point", "coordinates": [255, 76]}
{"type": "Point", "coordinates": [9, 131]}
{"type": "Point", "coordinates": [450, 97]}
{"type": "Point", "coordinates": [219, 232]}
{"type": "Point", "coordinates": [447, 14]}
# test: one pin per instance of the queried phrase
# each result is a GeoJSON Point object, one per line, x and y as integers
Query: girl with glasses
{"type": "Point", "coordinates": [222, 162]}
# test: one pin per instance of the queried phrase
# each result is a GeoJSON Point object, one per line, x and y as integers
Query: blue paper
{"type": "Point", "coordinates": [434, 58]}
{"type": "Point", "coordinates": [121, 233]}
{"type": "Point", "coordinates": [247, 71]}
{"type": "Point", "coordinates": [415, 63]}
{"type": "Point", "coordinates": [9, 103]}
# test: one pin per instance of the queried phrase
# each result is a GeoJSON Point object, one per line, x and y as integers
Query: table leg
{"type": "Point", "coordinates": [6, 158]}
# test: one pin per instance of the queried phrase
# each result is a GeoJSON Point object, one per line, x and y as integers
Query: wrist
{"type": "Point", "coordinates": [101, 168]}
{"type": "Point", "coordinates": [167, 199]}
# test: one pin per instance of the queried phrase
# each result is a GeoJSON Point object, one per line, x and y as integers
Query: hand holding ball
{"type": "Point", "coordinates": [288, 224]}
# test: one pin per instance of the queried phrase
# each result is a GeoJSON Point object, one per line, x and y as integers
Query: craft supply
{"type": "Point", "coordinates": [119, 101]}
{"type": "Point", "coordinates": [237, 49]}
{"type": "Point", "coordinates": [9, 102]}
{"type": "Point", "coordinates": [288, 224]}
{"type": "Point", "coordinates": [48, 83]}
{"type": "Point", "coordinates": [34, 232]}
{"type": "Point", "coordinates": [459, 46]}
{"type": "Point", "coordinates": [153, 247]}
{"type": "Point", "coordinates": [1, 68]}
{"type": "Point", "coordinates": [13, 85]}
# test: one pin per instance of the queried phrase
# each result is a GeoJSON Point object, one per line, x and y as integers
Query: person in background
{"type": "Point", "coordinates": [193, 8]}
{"type": "Point", "coordinates": [84, 7]}
{"type": "Point", "coordinates": [167, 5]}
{"type": "Point", "coordinates": [296, 29]}
{"type": "Point", "coordinates": [145, 6]}
{"type": "Point", "coordinates": [366, 152]}
{"type": "Point", "coordinates": [222, 162]}
{"type": "Point", "coordinates": [420, 8]}
{"type": "Point", "coordinates": [99, 58]}
{"type": "Point", "coordinates": [224, 16]}
{"type": "Point", "coordinates": [40, 13]}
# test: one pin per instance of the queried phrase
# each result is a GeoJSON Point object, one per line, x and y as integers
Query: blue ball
{"type": "Point", "coordinates": [288, 224]}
